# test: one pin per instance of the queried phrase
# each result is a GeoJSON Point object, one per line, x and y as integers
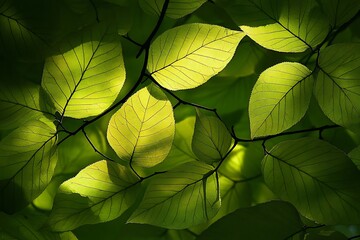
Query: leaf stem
{"type": "Point", "coordinates": [93, 146]}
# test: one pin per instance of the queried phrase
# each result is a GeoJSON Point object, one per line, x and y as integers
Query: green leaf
{"type": "Point", "coordinates": [355, 156]}
{"type": "Point", "coordinates": [279, 98]}
{"type": "Point", "coordinates": [339, 11]}
{"type": "Point", "coordinates": [27, 162]}
{"type": "Point", "coordinates": [185, 196]}
{"type": "Point", "coordinates": [320, 180]}
{"type": "Point", "coordinates": [284, 26]}
{"type": "Point", "coordinates": [337, 86]}
{"type": "Point", "coordinates": [326, 235]}
{"type": "Point", "coordinates": [19, 99]}
{"type": "Point", "coordinates": [211, 140]}
{"type": "Point", "coordinates": [99, 193]}
{"type": "Point", "coordinates": [187, 56]}
{"type": "Point", "coordinates": [272, 220]}
{"type": "Point", "coordinates": [86, 78]}
{"type": "Point", "coordinates": [176, 8]}
{"type": "Point", "coordinates": [142, 130]}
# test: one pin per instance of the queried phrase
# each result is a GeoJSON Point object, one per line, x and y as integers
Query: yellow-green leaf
{"type": "Point", "coordinates": [183, 197]}
{"type": "Point", "coordinates": [285, 26]}
{"type": "Point", "coordinates": [99, 193]}
{"type": "Point", "coordinates": [176, 8]}
{"type": "Point", "coordinates": [317, 178]}
{"type": "Point", "coordinates": [211, 140]}
{"type": "Point", "coordinates": [85, 79]}
{"type": "Point", "coordinates": [27, 161]}
{"type": "Point", "coordinates": [337, 86]}
{"type": "Point", "coordinates": [143, 129]}
{"type": "Point", "coordinates": [279, 98]}
{"type": "Point", "coordinates": [187, 56]}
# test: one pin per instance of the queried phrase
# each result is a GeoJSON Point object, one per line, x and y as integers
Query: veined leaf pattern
{"type": "Point", "coordinates": [187, 56]}
{"type": "Point", "coordinates": [142, 130]}
{"type": "Point", "coordinates": [86, 78]}
{"type": "Point", "coordinates": [317, 178]}
{"type": "Point", "coordinates": [99, 193]}
{"type": "Point", "coordinates": [185, 196]}
{"type": "Point", "coordinates": [279, 98]}
{"type": "Point", "coordinates": [27, 161]}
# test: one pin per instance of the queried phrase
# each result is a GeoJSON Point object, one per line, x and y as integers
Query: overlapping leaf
{"type": "Point", "coordinates": [27, 162]}
{"type": "Point", "coordinates": [185, 196]}
{"type": "Point", "coordinates": [272, 220]}
{"type": "Point", "coordinates": [285, 26]}
{"type": "Point", "coordinates": [338, 84]}
{"type": "Point", "coordinates": [317, 178]}
{"type": "Point", "coordinates": [142, 130]}
{"type": "Point", "coordinates": [19, 99]}
{"type": "Point", "coordinates": [355, 156]}
{"type": "Point", "coordinates": [211, 140]}
{"type": "Point", "coordinates": [86, 78]}
{"type": "Point", "coordinates": [99, 193]}
{"type": "Point", "coordinates": [279, 98]}
{"type": "Point", "coordinates": [176, 8]}
{"type": "Point", "coordinates": [187, 56]}
{"type": "Point", "coordinates": [339, 11]}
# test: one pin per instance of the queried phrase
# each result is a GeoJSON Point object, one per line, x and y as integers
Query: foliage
{"type": "Point", "coordinates": [179, 119]}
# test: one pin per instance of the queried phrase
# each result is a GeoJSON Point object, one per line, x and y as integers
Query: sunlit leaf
{"type": "Point", "coordinates": [279, 98]}
{"type": "Point", "coordinates": [27, 162]}
{"type": "Point", "coordinates": [285, 26]}
{"type": "Point", "coordinates": [180, 198]}
{"type": "Point", "coordinates": [19, 99]}
{"type": "Point", "coordinates": [320, 180]}
{"type": "Point", "coordinates": [211, 140]}
{"type": "Point", "coordinates": [339, 11]}
{"type": "Point", "coordinates": [187, 56]}
{"type": "Point", "coordinates": [272, 220]}
{"type": "Point", "coordinates": [99, 193]}
{"type": "Point", "coordinates": [176, 8]}
{"type": "Point", "coordinates": [142, 131]}
{"type": "Point", "coordinates": [86, 78]}
{"type": "Point", "coordinates": [355, 156]}
{"type": "Point", "coordinates": [337, 86]}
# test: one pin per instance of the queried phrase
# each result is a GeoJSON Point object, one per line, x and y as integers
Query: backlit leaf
{"type": "Point", "coordinates": [143, 129]}
{"type": "Point", "coordinates": [279, 98]}
{"type": "Point", "coordinates": [211, 140]}
{"type": "Point", "coordinates": [19, 99]}
{"type": "Point", "coordinates": [355, 156]}
{"type": "Point", "coordinates": [180, 198]}
{"type": "Point", "coordinates": [99, 193]}
{"type": "Point", "coordinates": [176, 8]}
{"type": "Point", "coordinates": [285, 26]}
{"type": "Point", "coordinates": [337, 86]}
{"type": "Point", "coordinates": [317, 178]}
{"type": "Point", "coordinates": [187, 56]}
{"type": "Point", "coordinates": [86, 78]}
{"type": "Point", "coordinates": [27, 162]}
{"type": "Point", "coordinates": [272, 220]}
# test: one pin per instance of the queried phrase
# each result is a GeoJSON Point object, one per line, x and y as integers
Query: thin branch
{"type": "Point", "coordinates": [93, 146]}
{"type": "Point", "coordinates": [343, 27]}
{"type": "Point", "coordinates": [131, 40]}
{"type": "Point", "coordinates": [354, 237]}
{"type": "Point", "coordinates": [303, 229]}
{"type": "Point", "coordinates": [96, 11]}
{"type": "Point", "coordinates": [153, 33]}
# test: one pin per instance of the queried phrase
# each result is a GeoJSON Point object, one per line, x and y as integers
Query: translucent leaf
{"type": "Point", "coordinates": [285, 26]}
{"type": "Point", "coordinates": [317, 178]}
{"type": "Point", "coordinates": [337, 86]}
{"type": "Point", "coordinates": [355, 156]}
{"type": "Point", "coordinates": [187, 56]}
{"type": "Point", "coordinates": [180, 198]}
{"type": "Point", "coordinates": [340, 11]}
{"type": "Point", "coordinates": [176, 8]}
{"type": "Point", "coordinates": [19, 99]}
{"type": "Point", "coordinates": [211, 140]}
{"type": "Point", "coordinates": [86, 78]}
{"type": "Point", "coordinates": [143, 129]}
{"type": "Point", "coordinates": [99, 193]}
{"type": "Point", "coordinates": [272, 220]}
{"type": "Point", "coordinates": [27, 162]}
{"type": "Point", "coordinates": [279, 98]}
